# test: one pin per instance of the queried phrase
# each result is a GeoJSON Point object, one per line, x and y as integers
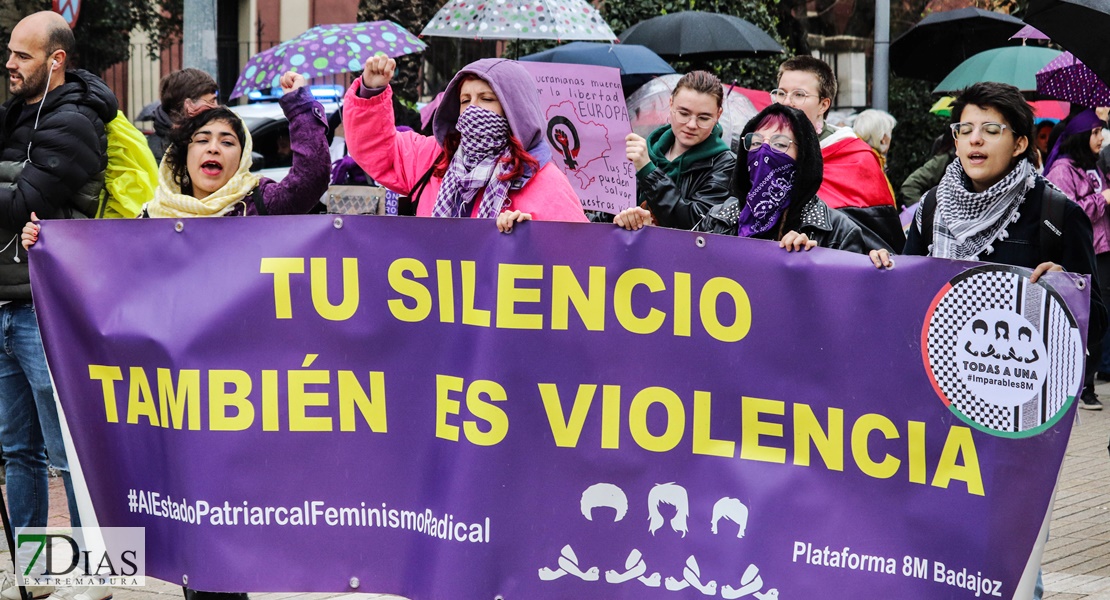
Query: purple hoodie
{"type": "Point", "coordinates": [515, 89]}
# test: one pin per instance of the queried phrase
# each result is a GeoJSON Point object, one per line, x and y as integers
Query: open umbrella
{"type": "Point", "coordinates": [326, 50]}
{"type": "Point", "coordinates": [698, 36]}
{"type": "Point", "coordinates": [942, 40]}
{"type": "Point", "coordinates": [636, 63]}
{"type": "Point", "coordinates": [650, 106]}
{"type": "Point", "coordinates": [1015, 65]}
{"type": "Point", "coordinates": [519, 19]}
{"type": "Point", "coordinates": [760, 99]}
{"type": "Point", "coordinates": [1042, 109]}
{"type": "Point", "coordinates": [1079, 26]}
{"type": "Point", "coordinates": [1069, 79]}
{"type": "Point", "coordinates": [1029, 33]}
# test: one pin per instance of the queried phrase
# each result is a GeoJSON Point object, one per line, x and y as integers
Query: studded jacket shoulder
{"type": "Point", "coordinates": [827, 227]}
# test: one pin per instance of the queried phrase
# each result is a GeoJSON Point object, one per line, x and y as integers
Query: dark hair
{"type": "Point", "coordinates": [178, 150]}
{"type": "Point", "coordinates": [810, 166]}
{"type": "Point", "coordinates": [702, 82]}
{"type": "Point", "coordinates": [1077, 147]}
{"type": "Point", "coordinates": [944, 144]}
{"type": "Point", "coordinates": [60, 37]}
{"type": "Point", "coordinates": [1006, 99]}
{"type": "Point", "coordinates": [1002, 326]}
{"type": "Point", "coordinates": [182, 85]}
{"type": "Point", "coordinates": [826, 79]}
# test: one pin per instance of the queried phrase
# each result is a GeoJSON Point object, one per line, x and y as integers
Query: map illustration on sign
{"type": "Point", "coordinates": [587, 121]}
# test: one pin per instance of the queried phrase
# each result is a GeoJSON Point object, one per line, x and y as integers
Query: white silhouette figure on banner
{"type": "Point", "coordinates": [568, 565]}
{"type": "Point", "coordinates": [635, 567]}
{"type": "Point", "coordinates": [772, 594]}
{"type": "Point", "coordinates": [750, 583]}
{"type": "Point", "coordinates": [691, 576]}
{"type": "Point", "coordinates": [733, 510]}
{"type": "Point", "coordinates": [604, 495]}
{"type": "Point", "coordinates": [674, 495]}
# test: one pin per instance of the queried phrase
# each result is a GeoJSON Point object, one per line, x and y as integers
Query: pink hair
{"type": "Point", "coordinates": [778, 120]}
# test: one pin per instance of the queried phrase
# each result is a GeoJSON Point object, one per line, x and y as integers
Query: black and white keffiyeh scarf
{"type": "Point", "coordinates": [476, 166]}
{"type": "Point", "coordinates": [966, 223]}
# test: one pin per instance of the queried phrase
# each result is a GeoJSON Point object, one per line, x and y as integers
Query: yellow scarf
{"type": "Point", "coordinates": [169, 202]}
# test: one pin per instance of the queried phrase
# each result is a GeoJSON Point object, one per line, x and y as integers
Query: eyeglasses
{"type": "Point", "coordinates": [989, 131]}
{"type": "Point", "coordinates": [778, 143]}
{"type": "Point", "coordinates": [683, 117]}
{"type": "Point", "coordinates": [796, 97]}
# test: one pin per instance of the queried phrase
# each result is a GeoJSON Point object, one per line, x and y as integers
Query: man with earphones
{"type": "Point", "coordinates": [53, 154]}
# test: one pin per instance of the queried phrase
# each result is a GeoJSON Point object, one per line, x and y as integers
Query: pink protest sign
{"type": "Point", "coordinates": [587, 121]}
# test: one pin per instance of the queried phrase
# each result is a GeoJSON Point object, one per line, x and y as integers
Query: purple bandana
{"type": "Point", "coordinates": [476, 166]}
{"type": "Point", "coordinates": [772, 175]}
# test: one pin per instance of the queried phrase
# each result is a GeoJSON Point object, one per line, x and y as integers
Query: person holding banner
{"type": "Point", "coordinates": [206, 169]}
{"type": "Point", "coordinates": [779, 166]}
{"type": "Point", "coordinates": [683, 168]}
{"type": "Point", "coordinates": [206, 173]}
{"type": "Point", "coordinates": [992, 205]}
{"type": "Point", "coordinates": [487, 159]}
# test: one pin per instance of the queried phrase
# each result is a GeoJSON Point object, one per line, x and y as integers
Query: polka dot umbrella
{"type": "Point", "coordinates": [1066, 78]}
{"type": "Point", "coordinates": [519, 19]}
{"type": "Point", "coordinates": [326, 50]}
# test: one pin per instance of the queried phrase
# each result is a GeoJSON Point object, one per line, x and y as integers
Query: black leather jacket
{"type": "Point", "coordinates": [704, 184]}
{"type": "Point", "coordinates": [817, 221]}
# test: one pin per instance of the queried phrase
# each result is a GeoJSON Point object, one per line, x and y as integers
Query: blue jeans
{"type": "Point", "coordinates": [29, 426]}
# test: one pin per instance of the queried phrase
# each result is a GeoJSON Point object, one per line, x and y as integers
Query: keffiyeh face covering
{"type": "Point", "coordinates": [772, 176]}
{"type": "Point", "coordinates": [476, 166]}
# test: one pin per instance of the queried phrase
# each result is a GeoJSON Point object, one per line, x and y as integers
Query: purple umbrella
{"type": "Point", "coordinates": [1069, 79]}
{"type": "Point", "coordinates": [326, 50]}
{"type": "Point", "coordinates": [1029, 33]}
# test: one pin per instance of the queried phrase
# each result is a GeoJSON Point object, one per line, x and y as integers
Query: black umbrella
{"type": "Point", "coordinates": [698, 36]}
{"type": "Point", "coordinates": [1079, 26]}
{"type": "Point", "coordinates": [637, 63]}
{"type": "Point", "coordinates": [943, 40]}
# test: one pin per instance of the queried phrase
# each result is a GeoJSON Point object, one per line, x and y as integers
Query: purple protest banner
{"type": "Point", "coordinates": [587, 121]}
{"type": "Point", "coordinates": [430, 408]}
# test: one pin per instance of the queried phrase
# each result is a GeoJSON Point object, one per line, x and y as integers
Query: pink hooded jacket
{"type": "Point", "coordinates": [1085, 187]}
{"type": "Point", "coordinates": [397, 160]}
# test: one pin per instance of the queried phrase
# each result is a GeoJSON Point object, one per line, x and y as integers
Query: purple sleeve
{"type": "Point", "coordinates": [368, 92]}
{"type": "Point", "coordinates": [307, 179]}
{"type": "Point", "coordinates": [1077, 186]}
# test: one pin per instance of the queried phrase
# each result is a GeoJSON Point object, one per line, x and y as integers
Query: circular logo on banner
{"type": "Point", "coordinates": [1004, 355]}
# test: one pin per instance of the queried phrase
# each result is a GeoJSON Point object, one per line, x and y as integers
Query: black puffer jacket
{"type": "Point", "coordinates": [65, 173]}
{"type": "Point", "coordinates": [816, 220]}
{"type": "Point", "coordinates": [703, 185]}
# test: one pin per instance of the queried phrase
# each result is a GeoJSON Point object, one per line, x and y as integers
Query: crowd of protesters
{"type": "Point", "coordinates": [797, 181]}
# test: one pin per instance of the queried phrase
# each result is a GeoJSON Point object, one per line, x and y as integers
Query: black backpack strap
{"type": "Point", "coordinates": [409, 208]}
{"type": "Point", "coordinates": [928, 211]}
{"type": "Point", "coordinates": [1052, 223]}
{"type": "Point", "coordinates": [259, 203]}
